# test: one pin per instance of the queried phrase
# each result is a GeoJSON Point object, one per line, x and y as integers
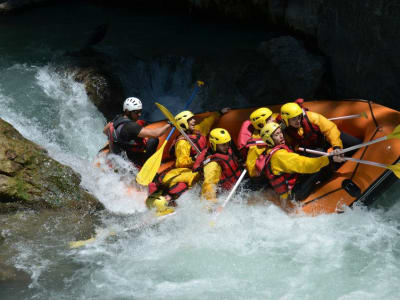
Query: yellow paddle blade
{"type": "Point", "coordinates": [167, 113]}
{"type": "Point", "coordinates": [200, 83]}
{"type": "Point", "coordinates": [81, 243]}
{"type": "Point", "coordinates": [395, 169]}
{"type": "Point", "coordinates": [395, 133]}
{"type": "Point", "coordinates": [150, 167]}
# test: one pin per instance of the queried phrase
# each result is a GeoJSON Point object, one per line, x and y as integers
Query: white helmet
{"type": "Point", "coordinates": [132, 103]}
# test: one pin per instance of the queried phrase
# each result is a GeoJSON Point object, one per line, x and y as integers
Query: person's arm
{"type": "Point", "coordinates": [252, 155]}
{"type": "Point", "coordinates": [153, 132]}
{"type": "Point", "coordinates": [283, 161]}
{"type": "Point", "coordinates": [182, 154]}
{"type": "Point", "coordinates": [212, 175]}
{"type": "Point", "coordinates": [328, 129]}
{"type": "Point", "coordinates": [106, 128]}
{"type": "Point", "coordinates": [205, 125]}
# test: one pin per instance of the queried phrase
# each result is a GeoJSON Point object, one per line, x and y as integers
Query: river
{"type": "Point", "coordinates": [252, 252]}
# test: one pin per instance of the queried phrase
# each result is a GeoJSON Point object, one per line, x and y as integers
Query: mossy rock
{"type": "Point", "coordinates": [29, 178]}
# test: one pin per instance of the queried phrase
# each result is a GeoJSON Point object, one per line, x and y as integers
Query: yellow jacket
{"type": "Point", "coordinates": [212, 174]}
{"type": "Point", "coordinates": [283, 161]}
{"type": "Point", "coordinates": [327, 128]}
{"type": "Point", "coordinates": [255, 151]}
{"type": "Point", "coordinates": [252, 155]}
{"type": "Point", "coordinates": [184, 162]}
{"type": "Point", "coordinates": [182, 147]}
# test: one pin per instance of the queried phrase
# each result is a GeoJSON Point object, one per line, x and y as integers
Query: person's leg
{"type": "Point", "coordinates": [307, 183]}
{"type": "Point", "coordinates": [349, 141]}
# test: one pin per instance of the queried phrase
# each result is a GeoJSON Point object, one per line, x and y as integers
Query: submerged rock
{"type": "Point", "coordinates": [29, 178]}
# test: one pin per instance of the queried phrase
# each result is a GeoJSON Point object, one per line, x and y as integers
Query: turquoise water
{"type": "Point", "coordinates": [253, 252]}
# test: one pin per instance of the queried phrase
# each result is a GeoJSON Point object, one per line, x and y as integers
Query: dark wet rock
{"type": "Point", "coordinates": [103, 88]}
{"type": "Point", "coordinates": [281, 69]}
{"type": "Point", "coordinates": [13, 5]}
{"type": "Point", "coordinates": [95, 70]}
{"type": "Point", "coordinates": [240, 10]}
{"type": "Point", "coordinates": [359, 38]}
{"type": "Point", "coordinates": [29, 178]}
{"type": "Point", "coordinates": [299, 71]}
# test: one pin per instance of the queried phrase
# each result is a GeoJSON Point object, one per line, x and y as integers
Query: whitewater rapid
{"type": "Point", "coordinates": [253, 252]}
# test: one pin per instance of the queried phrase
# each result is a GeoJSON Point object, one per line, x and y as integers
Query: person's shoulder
{"type": "Point", "coordinates": [314, 116]}
{"type": "Point", "coordinates": [211, 164]}
{"type": "Point", "coordinates": [132, 127]}
{"type": "Point", "coordinates": [182, 142]}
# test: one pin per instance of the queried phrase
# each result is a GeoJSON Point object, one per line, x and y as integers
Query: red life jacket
{"type": "Point", "coordinates": [230, 168]}
{"type": "Point", "coordinates": [245, 139]}
{"type": "Point", "coordinates": [284, 182]}
{"type": "Point", "coordinates": [197, 138]}
{"type": "Point", "coordinates": [312, 136]}
{"type": "Point", "coordinates": [116, 144]}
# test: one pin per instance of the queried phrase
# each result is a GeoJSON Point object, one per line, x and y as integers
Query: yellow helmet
{"type": "Point", "coordinates": [162, 207]}
{"type": "Point", "coordinates": [219, 136]}
{"type": "Point", "coordinates": [183, 117]}
{"type": "Point", "coordinates": [290, 110]}
{"type": "Point", "coordinates": [259, 117]}
{"type": "Point", "coordinates": [267, 131]}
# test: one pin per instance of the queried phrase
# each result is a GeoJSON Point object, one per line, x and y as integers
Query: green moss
{"type": "Point", "coordinates": [22, 190]}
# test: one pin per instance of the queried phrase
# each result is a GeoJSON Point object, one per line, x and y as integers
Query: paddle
{"type": "Point", "coordinates": [221, 207]}
{"type": "Point", "coordinates": [394, 135]}
{"type": "Point", "coordinates": [171, 118]}
{"type": "Point", "coordinates": [394, 168]}
{"type": "Point", "coordinates": [148, 222]}
{"type": "Point", "coordinates": [361, 115]}
{"type": "Point", "coordinates": [151, 166]}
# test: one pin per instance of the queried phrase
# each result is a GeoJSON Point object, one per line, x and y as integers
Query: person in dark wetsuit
{"type": "Point", "coordinates": [126, 133]}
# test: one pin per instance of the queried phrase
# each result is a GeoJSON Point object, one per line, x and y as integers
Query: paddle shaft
{"type": "Point", "coordinates": [189, 140]}
{"type": "Point", "coordinates": [366, 162]}
{"type": "Point", "coordinates": [350, 148]}
{"type": "Point", "coordinates": [346, 117]}
{"type": "Point", "coordinates": [151, 166]}
{"type": "Point", "coordinates": [196, 89]}
{"type": "Point", "coordinates": [230, 193]}
{"type": "Point", "coordinates": [233, 190]}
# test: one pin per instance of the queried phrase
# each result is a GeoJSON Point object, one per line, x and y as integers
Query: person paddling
{"type": "Point", "coordinates": [127, 134]}
{"type": "Point", "coordinates": [221, 166]}
{"type": "Point", "coordinates": [312, 130]}
{"type": "Point", "coordinates": [282, 167]}
{"type": "Point", "coordinates": [178, 179]}
{"type": "Point", "coordinates": [249, 141]}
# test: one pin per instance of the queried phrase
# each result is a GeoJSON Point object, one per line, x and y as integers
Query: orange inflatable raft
{"type": "Point", "coordinates": [352, 181]}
